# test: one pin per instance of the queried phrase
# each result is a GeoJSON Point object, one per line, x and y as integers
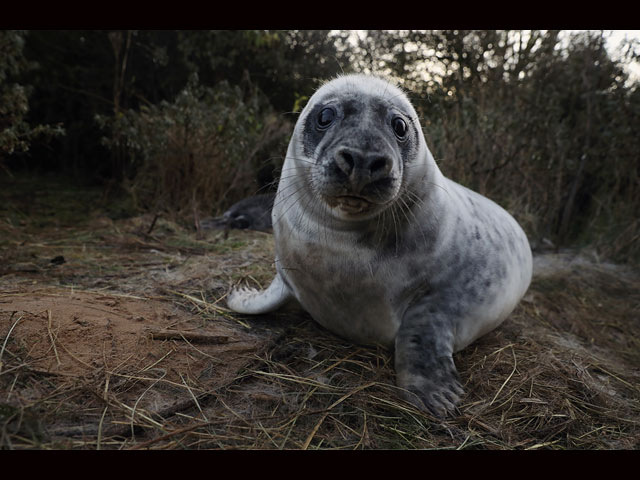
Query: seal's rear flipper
{"type": "Point", "coordinates": [253, 302]}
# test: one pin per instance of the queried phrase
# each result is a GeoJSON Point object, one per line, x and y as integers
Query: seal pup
{"type": "Point", "coordinates": [380, 248]}
{"type": "Point", "coordinates": [253, 213]}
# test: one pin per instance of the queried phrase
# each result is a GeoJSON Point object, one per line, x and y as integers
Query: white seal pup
{"type": "Point", "coordinates": [379, 247]}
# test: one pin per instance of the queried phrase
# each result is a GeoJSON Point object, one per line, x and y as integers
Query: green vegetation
{"type": "Point", "coordinates": [16, 133]}
{"type": "Point", "coordinates": [197, 151]}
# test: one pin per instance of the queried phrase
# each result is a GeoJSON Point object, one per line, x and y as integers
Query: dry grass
{"type": "Point", "coordinates": [561, 373]}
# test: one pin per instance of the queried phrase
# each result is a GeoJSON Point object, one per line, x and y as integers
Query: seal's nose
{"type": "Point", "coordinates": [361, 167]}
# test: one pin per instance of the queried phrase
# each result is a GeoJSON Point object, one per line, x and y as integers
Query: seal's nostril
{"type": "Point", "coordinates": [345, 161]}
{"type": "Point", "coordinates": [348, 159]}
{"type": "Point", "coordinates": [378, 165]}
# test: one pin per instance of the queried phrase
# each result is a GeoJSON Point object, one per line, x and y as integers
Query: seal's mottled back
{"type": "Point", "coordinates": [379, 247]}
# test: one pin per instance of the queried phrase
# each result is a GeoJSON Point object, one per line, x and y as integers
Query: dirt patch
{"type": "Point", "coordinates": [66, 332]}
{"type": "Point", "coordinates": [123, 361]}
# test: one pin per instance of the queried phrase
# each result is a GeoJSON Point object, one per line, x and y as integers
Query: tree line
{"type": "Point", "coordinates": [543, 122]}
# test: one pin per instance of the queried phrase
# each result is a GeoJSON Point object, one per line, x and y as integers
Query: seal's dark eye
{"type": "Point", "coordinates": [399, 127]}
{"type": "Point", "coordinates": [326, 117]}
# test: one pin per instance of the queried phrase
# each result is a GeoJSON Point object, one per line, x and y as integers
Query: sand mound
{"type": "Point", "coordinates": [114, 348]}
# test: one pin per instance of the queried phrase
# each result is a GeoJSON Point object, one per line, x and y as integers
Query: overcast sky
{"type": "Point", "coordinates": [617, 36]}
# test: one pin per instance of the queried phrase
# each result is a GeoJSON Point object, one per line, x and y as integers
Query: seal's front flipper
{"type": "Point", "coordinates": [424, 363]}
{"type": "Point", "coordinates": [252, 301]}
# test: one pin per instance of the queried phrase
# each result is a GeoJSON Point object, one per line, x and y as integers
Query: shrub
{"type": "Point", "coordinates": [199, 152]}
{"type": "Point", "coordinates": [556, 146]}
{"type": "Point", "coordinates": [16, 133]}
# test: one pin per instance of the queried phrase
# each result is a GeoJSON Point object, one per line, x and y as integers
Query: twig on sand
{"type": "Point", "coordinates": [189, 336]}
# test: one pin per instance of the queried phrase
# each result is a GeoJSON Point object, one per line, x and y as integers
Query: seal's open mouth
{"type": "Point", "coordinates": [352, 205]}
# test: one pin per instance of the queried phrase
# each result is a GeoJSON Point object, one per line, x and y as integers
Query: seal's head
{"type": "Point", "coordinates": [357, 134]}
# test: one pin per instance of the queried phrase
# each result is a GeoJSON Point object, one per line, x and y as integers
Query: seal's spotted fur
{"type": "Point", "coordinates": [379, 247]}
